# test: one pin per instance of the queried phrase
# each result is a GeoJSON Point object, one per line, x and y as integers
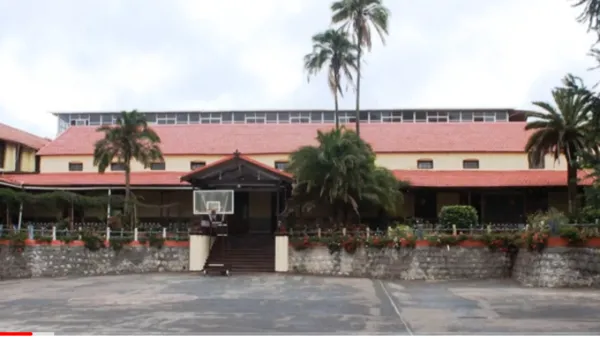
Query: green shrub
{"type": "Point", "coordinates": [117, 243]}
{"type": "Point", "coordinates": [156, 241]}
{"type": "Point", "coordinates": [573, 235]}
{"type": "Point", "coordinates": [463, 216]}
{"type": "Point", "coordinates": [92, 242]}
{"type": "Point", "coordinates": [17, 241]}
{"type": "Point", "coordinates": [589, 215]}
{"type": "Point", "coordinates": [400, 231]}
{"type": "Point", "coordinates": [540, 220]}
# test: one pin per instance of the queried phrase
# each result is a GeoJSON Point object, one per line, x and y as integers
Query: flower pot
{"type": "Point", "coordinates": [557, 242]}
{"type": "Point", "coordinates": [593, 242]}
{"type": "Point", "coordinates": [471, 243]}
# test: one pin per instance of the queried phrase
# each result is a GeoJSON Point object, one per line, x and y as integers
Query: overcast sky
{"type": "Point", "coordinates": [91, 55]}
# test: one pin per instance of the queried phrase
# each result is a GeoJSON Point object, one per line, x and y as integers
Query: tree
{"type": "Point", "coordinates": [361, 17]}
{"type": "Point", "coordinates": [129, 139]}
{"type": "Point", "coordinates": [332, 47]}
{"type": "Point", "coordinates": [590, 14]}
{"type": "Point", "coordinates": [340, 173]}
{"type": "Point", "coordinates": [562, 129]}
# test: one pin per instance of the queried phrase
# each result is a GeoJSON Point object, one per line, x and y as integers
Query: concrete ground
{"type": "Point", "coordinates": [267, 304]}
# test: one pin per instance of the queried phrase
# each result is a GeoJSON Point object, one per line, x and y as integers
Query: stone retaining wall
{"type": "Point", "coordinates": [60, 261]}
{"type": "Point", "coordinates": [429, 263]}
{"type": "Point", "coordinates": [558, 267]}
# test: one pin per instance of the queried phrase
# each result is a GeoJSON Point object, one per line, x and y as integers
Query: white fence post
{"type": "Point", "coordinates": [108, 233]}
{"type": "Point", "coordinates": [79, 233]}
{"type": "Point", "coordinates": [319, 233]}
{"type": "Point", "coordinates": [454, 230]}
{"type": "Point", "coordinates": [53, 233]}
{"type": "Point", "coordinates": [344, 231]}
{"type": "Point", "coordinates": [135, 234]}
{"type": "Point", "coordinates": [368, 233]}
{"type": "Point", "coordinates": [164, 233]}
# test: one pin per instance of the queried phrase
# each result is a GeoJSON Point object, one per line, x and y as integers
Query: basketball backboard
{"type": "Point", "coordinates": [207, 201]}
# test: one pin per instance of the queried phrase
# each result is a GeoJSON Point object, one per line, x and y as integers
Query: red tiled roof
{"type": "Point", "coordinates": [284, 138]}
{"type": "Point", "coordinates": [477, 178]}
{"type": "Point", "coordinates": [93, 179]}
{"type": "Point", "coordinates": [231, 157]}
{"type": "Point", "coordinates": [16, 135]}
{"type": "Point", "coordinates": [416, 178]}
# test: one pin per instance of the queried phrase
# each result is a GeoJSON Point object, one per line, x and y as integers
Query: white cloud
{"type": "Point", "coordinates": [240, 54]}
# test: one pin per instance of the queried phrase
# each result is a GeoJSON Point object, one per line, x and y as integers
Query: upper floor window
{"type": "Point", "coordinates": [194, 165]}
{"type": "Point", "coordinates": [117, 166]}
{"type": "Point", "coordinates": [158, 166]}
{"type": "Point", "coordinates": [471, 164]}
{"type": "Point", "coordinates": [281, 165]}
{"type": "Point", "coordinates": [2, 152]}
{"type": "Point", "coordinates": [75, 167]}
{"type": "Point", "coordinates": [425, 164]}
{"type": "Point", "coordinates": [533, 164]}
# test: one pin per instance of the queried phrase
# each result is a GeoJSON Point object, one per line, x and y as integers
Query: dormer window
{"type": "Point", "coordinates": [2, 152]}
{"type": "Point", "coordinates": [117, 166]}
{"type": "Point", "coordinates": [75, 167]}
{"type": "Point", "coordinates": [158, 166]}
{"type": "Point", "coordinates": [281, 165]}
{"type": "Point", "coordinates": [194, 165]}
{"type": "Point", "coordinates": [541, 164]}
{"type": "Point", "coordinates": [425, 164]}
{"type": "Point", "coordinates": [471, 164]}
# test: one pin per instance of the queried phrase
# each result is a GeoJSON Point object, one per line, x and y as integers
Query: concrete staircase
{"type": "Point", "coordinates": [245, 253]}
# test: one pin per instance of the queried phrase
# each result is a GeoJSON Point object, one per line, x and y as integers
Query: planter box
{"type": "Point", "coordinates": [593, 242]}
{"type": "Point", "coordinates": [471, 243]}
{"type": "Point", "coordinates": [422, 243]}
{"type": "Point", "coordinates": [557, 242]}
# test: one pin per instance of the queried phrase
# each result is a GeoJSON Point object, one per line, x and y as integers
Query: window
{"type": "Point", "coordinates": [194, 165]}
{"type": "Point", "coordinates": [117, 166]}
{"type": "Point", "coordinates": [471, 164]}
{"type": "Point", "coordinates": [425, 164]}
{"type": "Point", "coordinates": [454, 116]}
{"type": "Point", "coordinates": [256, 118]}
{"type": "Point", "coordinates": [271, 117]}
{"type": "Point", "coordinates": [346, 117]}
{"type": "Point", "coordinates": [281, 165]}
{"type": "Point", "coordinates": [437, 117]}
{"type": "Point", "coordinates": [75, 167]}
{"type": "Point", "coordinates": [158, 166]}
{"type": "Point", "coordinates": [80, 122]}
{"type": "Point", "coordinates": [536, 165]}
{"type": "Point", "coordinates": [210, 118]}
{"type": "Point", "coordinates": [391, 117]}
{"type": "Point", "coordinates": [2, 152]}
{"type": "Point", "coordinates": [166, 119]}
{"type": "Point", "coordinates": [303, 118]}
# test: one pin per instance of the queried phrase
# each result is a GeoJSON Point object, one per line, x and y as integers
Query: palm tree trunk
{"type": "Point", "coordinates": [128, 193]}
{"type": "Point", "coordinates": [359, 36]}
{"type": "Point", "coordinates": [572, 188]}
{"type": "Point", "coordinates": [335, 112]}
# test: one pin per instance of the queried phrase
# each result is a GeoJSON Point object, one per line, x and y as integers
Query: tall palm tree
{"type": "Point", "coordinates": [332, 47]}
{"type": "Point", "coordinates": [590, 14]}
{"type": "Point", "coordinates": [361, 17]}
{"type": "Point", "coordinates": [561, 129]}
{"type": "Point", "coordinates": [129, 139]}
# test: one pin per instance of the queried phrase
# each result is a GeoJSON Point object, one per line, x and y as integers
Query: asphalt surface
{"type": "Point", "coordinates": [286, 304]}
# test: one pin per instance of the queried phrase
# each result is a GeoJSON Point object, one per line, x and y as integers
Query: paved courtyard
{"type": "Point", "coordinates": [261, 304]}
